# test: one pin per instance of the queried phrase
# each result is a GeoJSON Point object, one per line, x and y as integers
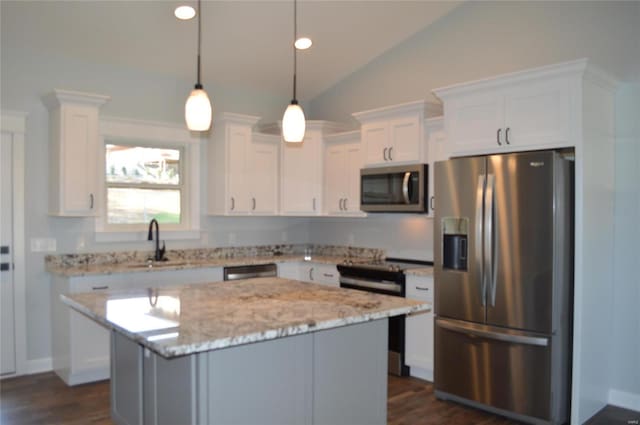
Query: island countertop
{"type": "Point", "coordinates": [188, 319]}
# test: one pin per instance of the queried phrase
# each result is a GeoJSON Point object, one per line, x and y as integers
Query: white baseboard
{"type": "Point", "coordinates": [424, 374]}
{"type": "Point", "coordinates": [39, 366]}
{"type": "Point", "coordinates": [624, 399]}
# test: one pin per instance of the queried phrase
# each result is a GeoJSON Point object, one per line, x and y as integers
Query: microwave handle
{"type": "Point", "coordinates": [405, 187]}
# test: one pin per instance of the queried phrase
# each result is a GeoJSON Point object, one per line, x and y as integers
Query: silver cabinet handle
{"type": "Point", "coordinates": [498, 137]}
{"type": "Point", "coordinates": [390, 158]}
{"type": "Point", "coordinates": [341, 205]}
{"type": "Point", "coordinates": [420, 288]}
{"type": "Point", "coordinates": [253, 200]}
{"type": "Point", "coordinates": [431, 203]}
{"type": "Point", "coordinates": [314, 204]}
{"type": "Point", "coordinates": [384, 154]}
{"type": "Point", "coordinates": [506, 136]}
{"type": "Point", "coordinates": [345, 204]}
{"type": "Point", "coordinates": [327, 275]}
{"type": "Point", "coordinates": [91, 201]}
{"type": "Point", "coordinates": [98, 288]}
{"type": "Point", "coordinates": [233, 203]}
{"type": "Point", "coordinates": [311, 273]}
{"type": "Point", "coordinates": [405, 187]}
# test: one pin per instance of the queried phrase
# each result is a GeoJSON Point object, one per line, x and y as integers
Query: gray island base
{"type": "Point", "coordinates": [255, 351]}
{"type": "Point", "coordinates": [335, 376]}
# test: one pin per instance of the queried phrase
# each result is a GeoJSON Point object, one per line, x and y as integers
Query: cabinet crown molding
{"type": "Point", "coordinates": [59, 96]}
{"type": "Point", "coordinates": [345, 136]}
{"type": "Point", "coordinates": [233, 118]}
{"type": "Point", "coordinates": [578, 68]}
{"type": "Point", "coordinates": [386, 111]}
{"type": "Point", "coordinates": [326, 127]}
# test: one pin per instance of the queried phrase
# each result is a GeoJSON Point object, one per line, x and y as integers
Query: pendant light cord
{"type": "Point", "coordinates": [198, 84]}
{"type": "Point", "coordinates": [295, 35]}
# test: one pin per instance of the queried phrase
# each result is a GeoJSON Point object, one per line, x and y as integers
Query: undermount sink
{"type": "Point", "coordinates": [156, 264]}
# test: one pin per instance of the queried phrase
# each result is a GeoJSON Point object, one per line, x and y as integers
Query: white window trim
{"type": "Point", "coordinates": [156, 134]}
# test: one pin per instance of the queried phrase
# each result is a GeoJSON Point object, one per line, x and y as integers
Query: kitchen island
{"type": "Point", "coordinates": [267, 350]}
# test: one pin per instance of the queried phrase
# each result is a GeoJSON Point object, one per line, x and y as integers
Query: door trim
{"type": "Point", "coordinates": [14, 123]}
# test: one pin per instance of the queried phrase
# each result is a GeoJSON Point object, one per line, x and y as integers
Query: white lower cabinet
{"type": "Point", "coordinates": [419, 329]}
{"type": "Point", "coordinates": [80, 347]}
{"type": "Point", "coordinates": [326, 274]}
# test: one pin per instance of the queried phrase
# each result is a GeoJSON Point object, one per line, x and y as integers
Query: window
{"type": "Point", "coordinates": [148, 170]}
{"type": "Point", "coordinates": [143, 183]}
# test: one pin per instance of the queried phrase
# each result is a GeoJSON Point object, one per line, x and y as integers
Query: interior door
{"type": "Point", "coordinates": [459, 191]}
{"type": "Point", "coordinates": [7, 314]}
{"type": "Point", "coordinates": [522, 255]}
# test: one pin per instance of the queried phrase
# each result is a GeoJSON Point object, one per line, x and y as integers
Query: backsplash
{"type": "Point", "coordinates": [202, 254]}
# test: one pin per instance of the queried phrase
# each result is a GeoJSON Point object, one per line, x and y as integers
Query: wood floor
{"type": "Point", "coordinates": [45, 399]}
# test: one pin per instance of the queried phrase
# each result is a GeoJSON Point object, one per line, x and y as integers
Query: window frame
{"type": "Point", "coordinates": [154, 135]}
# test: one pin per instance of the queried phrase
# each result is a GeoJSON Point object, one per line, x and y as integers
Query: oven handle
{"type": "Point", "coordinates": [384, 285]}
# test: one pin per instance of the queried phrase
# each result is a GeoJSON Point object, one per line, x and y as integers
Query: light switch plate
{"type": "Point", "coordinates": [43, 245]}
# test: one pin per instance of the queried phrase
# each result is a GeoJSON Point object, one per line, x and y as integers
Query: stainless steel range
{"type": "Point", "coordinates": [383, 277]}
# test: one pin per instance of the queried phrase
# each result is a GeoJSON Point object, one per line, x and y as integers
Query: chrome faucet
{"type": "Point", "coordinates": [159, 255]}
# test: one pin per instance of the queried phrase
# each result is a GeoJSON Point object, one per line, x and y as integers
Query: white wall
{"type": "Point", "coordinates": [483, 39]}
{"type": "Point", "coordinates": [625, 360]}
{"type": "Point", "coordinates": [26, 76]}
{"type": "Point", "coordinates": [402, 235]}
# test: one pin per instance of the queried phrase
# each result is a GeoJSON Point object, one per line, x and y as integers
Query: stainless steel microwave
{"type": "Point", "coordinates": [394, 189]}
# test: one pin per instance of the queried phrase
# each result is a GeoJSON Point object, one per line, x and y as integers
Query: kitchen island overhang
{"type": "Point", "coordinates": [265, 350]}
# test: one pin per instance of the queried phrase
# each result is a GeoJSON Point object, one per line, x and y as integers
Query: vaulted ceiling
{"type": "Point", "coordinates": [245, 43]}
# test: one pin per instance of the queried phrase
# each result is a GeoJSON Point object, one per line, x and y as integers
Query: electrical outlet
{"type": "Point", "coordinates": [43, 245]}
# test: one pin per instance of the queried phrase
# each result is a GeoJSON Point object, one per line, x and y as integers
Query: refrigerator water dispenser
{"type": "Point", "coordinates": [454, 243]}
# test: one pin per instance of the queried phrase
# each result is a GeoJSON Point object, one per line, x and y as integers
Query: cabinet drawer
{"type": "Point", "coordinates": [420, 288]}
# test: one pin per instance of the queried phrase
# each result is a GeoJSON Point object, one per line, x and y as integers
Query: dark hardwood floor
{"type": "Point", "coordinates": [45, 399]}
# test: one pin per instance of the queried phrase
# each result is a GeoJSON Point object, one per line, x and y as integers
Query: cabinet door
{"type": "Point", "coordinates": [354, 162]}
{"type": "Point", "coordinates": [238, 140]}
{"type": "Point", "coordinates": [326, 274]}
{"type": "Point", "coordinates": [405, 139]}
{"type": "Point", "coordinates": [335, 169]}
{"type": "Point", "coordinates": [473, 122]}
{"type": "Point", "coordinates": [375, 137]}
{"type": "Point", "coordinates": [263, 172]}
{"type": "Point", "coordinates": [302, 176]}
{"type": "Point", "coordinates": [419, 329]}
{"type": "Point", "coordinates": [436, 145]}
{"type": "Point", "coordinates": [78, 145]}
{"type": "Point", "coordinates": [538, 115]}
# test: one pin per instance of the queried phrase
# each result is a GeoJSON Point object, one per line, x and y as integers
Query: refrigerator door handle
{"type": "Point", "coordinates": [489, 254]}
{"type": "Point", "coordinates": [475, 330]}
{"type": "Point", "coordinates": [478, 237]}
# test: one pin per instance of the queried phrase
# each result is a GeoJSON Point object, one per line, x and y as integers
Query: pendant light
{"type": "Point", "coordinates": [197, 109]}
{"type": "Point", "coordinates": [293, 122]}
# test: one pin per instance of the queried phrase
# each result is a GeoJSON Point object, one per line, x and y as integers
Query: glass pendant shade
{"type": "Point", "coordinates": [197, 110]}
{"type": "Point", "coordinates": [293, 124]}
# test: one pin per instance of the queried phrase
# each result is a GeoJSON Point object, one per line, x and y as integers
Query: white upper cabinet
{"type": "Point", "coordinates": [243, 172]}
{"type": "Point", "coordinates": [394, 134]}
{"type": "Point", "coordinates": [436, 140]}
{"type": "Point", "coordinates": [302, 171]}
{"type": "Point", "coordinates": [343, 160]}
{"type": "Point", "coordinates": [73, 149]}
{"type": "Point", "coordinates": [521, 111]}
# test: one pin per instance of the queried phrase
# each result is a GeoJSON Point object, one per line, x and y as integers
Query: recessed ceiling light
{"type": "Point", "coordinates": [303, 43]}
{"type": "Point", "coordinates": [185, 12]}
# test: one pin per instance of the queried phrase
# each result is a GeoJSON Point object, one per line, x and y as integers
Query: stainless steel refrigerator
{"type": "Point", "coordinates": [503, 261]}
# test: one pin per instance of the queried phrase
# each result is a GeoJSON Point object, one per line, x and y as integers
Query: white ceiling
{"type": "Point", "coordinates": [245, 43]}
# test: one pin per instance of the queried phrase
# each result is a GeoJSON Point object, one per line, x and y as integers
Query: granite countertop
{"type": "Point", "coordinates": [188, 319]}
{"type": "Point", "coordinates": [180, 264]}
{"type": "Point", "coordinates": [420, 271]}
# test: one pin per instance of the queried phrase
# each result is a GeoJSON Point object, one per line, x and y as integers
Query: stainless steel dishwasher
{"type": "Point", "coordinates": [248, 272]}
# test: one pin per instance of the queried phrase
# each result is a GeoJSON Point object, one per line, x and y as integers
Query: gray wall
{"type": "Point", "coordinates": [483, 39]}
{"type": "Point", "coordinates": [27, 75]}
{"type": "Point", "coordinates": [625, 363]}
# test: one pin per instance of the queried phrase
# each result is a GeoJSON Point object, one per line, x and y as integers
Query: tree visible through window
{"type": "Point", "coordinates": [143, 183]}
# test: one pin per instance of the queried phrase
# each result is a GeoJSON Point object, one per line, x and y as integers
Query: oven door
{"type": "Point", "coordinates": [394, 189]}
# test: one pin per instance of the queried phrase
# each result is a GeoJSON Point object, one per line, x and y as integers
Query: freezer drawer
{"type": "Point", "coordinates": [505, 375]}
